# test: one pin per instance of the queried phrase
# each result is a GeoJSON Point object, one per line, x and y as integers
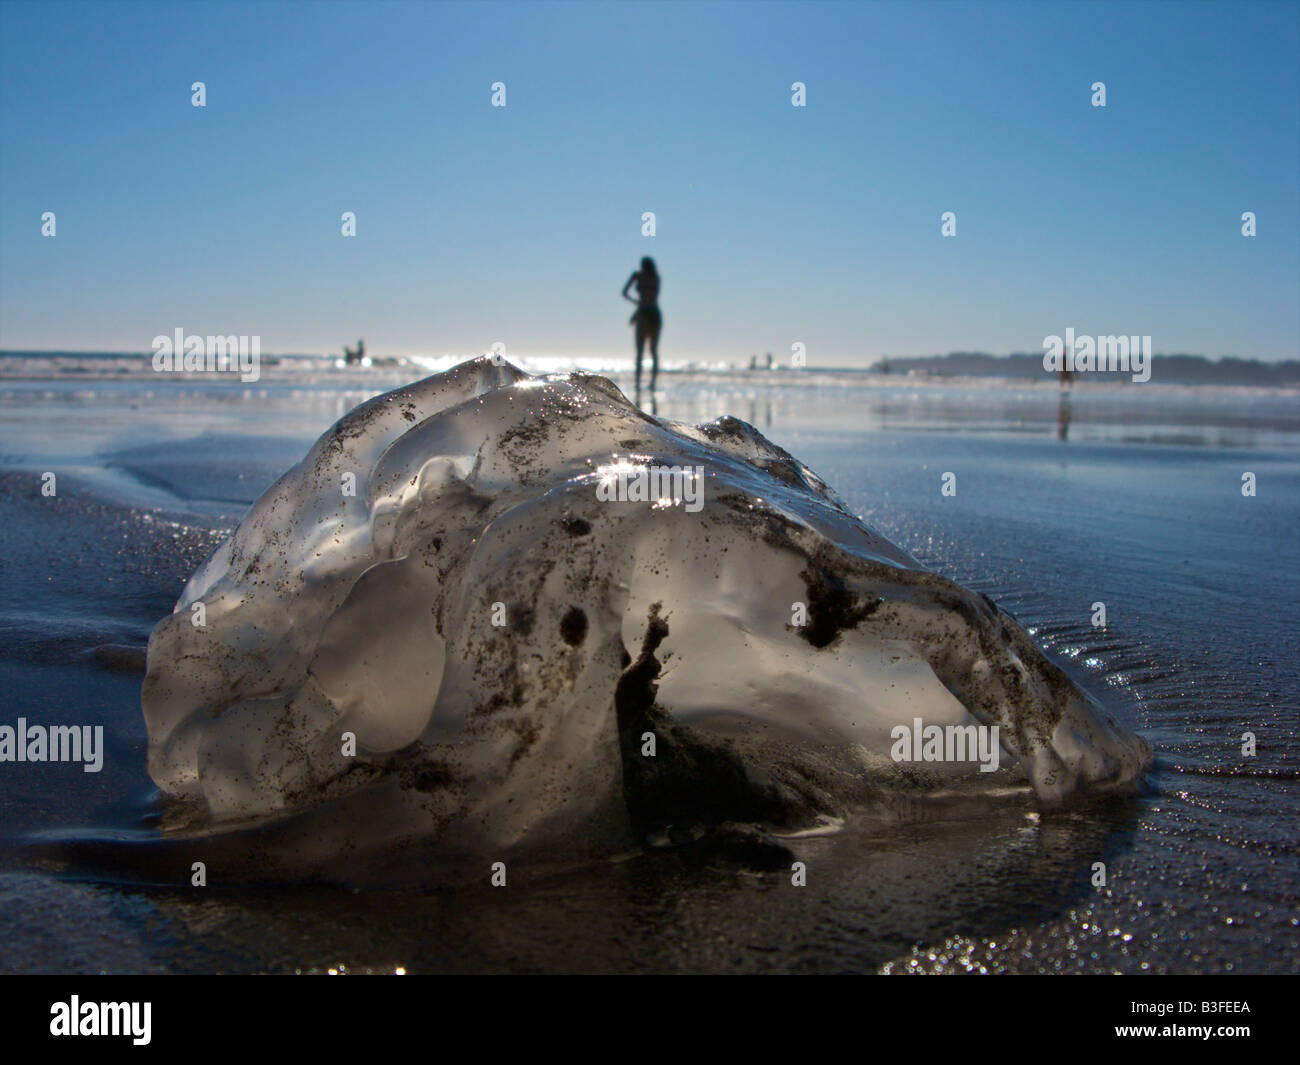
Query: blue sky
{"type": "Point", "coordinates": [776, 224]}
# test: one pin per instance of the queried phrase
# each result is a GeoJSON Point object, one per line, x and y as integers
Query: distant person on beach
{"type": "Point", "coordinates": [350, 356]}
{"type": "Point", "coordinates": [646, 317]}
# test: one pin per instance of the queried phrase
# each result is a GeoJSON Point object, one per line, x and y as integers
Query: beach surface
{"type": "Point", "coordinates": [1130, 496]}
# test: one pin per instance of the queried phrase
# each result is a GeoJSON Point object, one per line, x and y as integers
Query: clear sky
{"type": "Point", "coordinates": [776, 224]}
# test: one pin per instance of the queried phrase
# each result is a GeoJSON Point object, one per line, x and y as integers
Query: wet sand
{"type": "Point", "coordinates": [1139, 507]}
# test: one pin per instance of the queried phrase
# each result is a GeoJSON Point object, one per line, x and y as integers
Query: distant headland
{"type": "Point", "coordinates": [1165, 369]}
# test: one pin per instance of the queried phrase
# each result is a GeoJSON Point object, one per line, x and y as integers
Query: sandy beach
{"type": "Point", "coordinates": [1131, 497]}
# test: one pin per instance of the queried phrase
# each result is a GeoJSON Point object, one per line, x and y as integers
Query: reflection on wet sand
{"type": "Point", "coordinates": [872, 894]}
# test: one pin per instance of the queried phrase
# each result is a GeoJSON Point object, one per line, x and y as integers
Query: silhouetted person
{"type": "Point", "coordinates": [646, 317]}
{"type": "Point", "coordinates": [351, 357]}
{"type": "Point", "coordinates": [1063, 417]}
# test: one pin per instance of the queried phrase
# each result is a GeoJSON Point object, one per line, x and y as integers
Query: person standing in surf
{"type": "Point", "coordinates": [646, 317]}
